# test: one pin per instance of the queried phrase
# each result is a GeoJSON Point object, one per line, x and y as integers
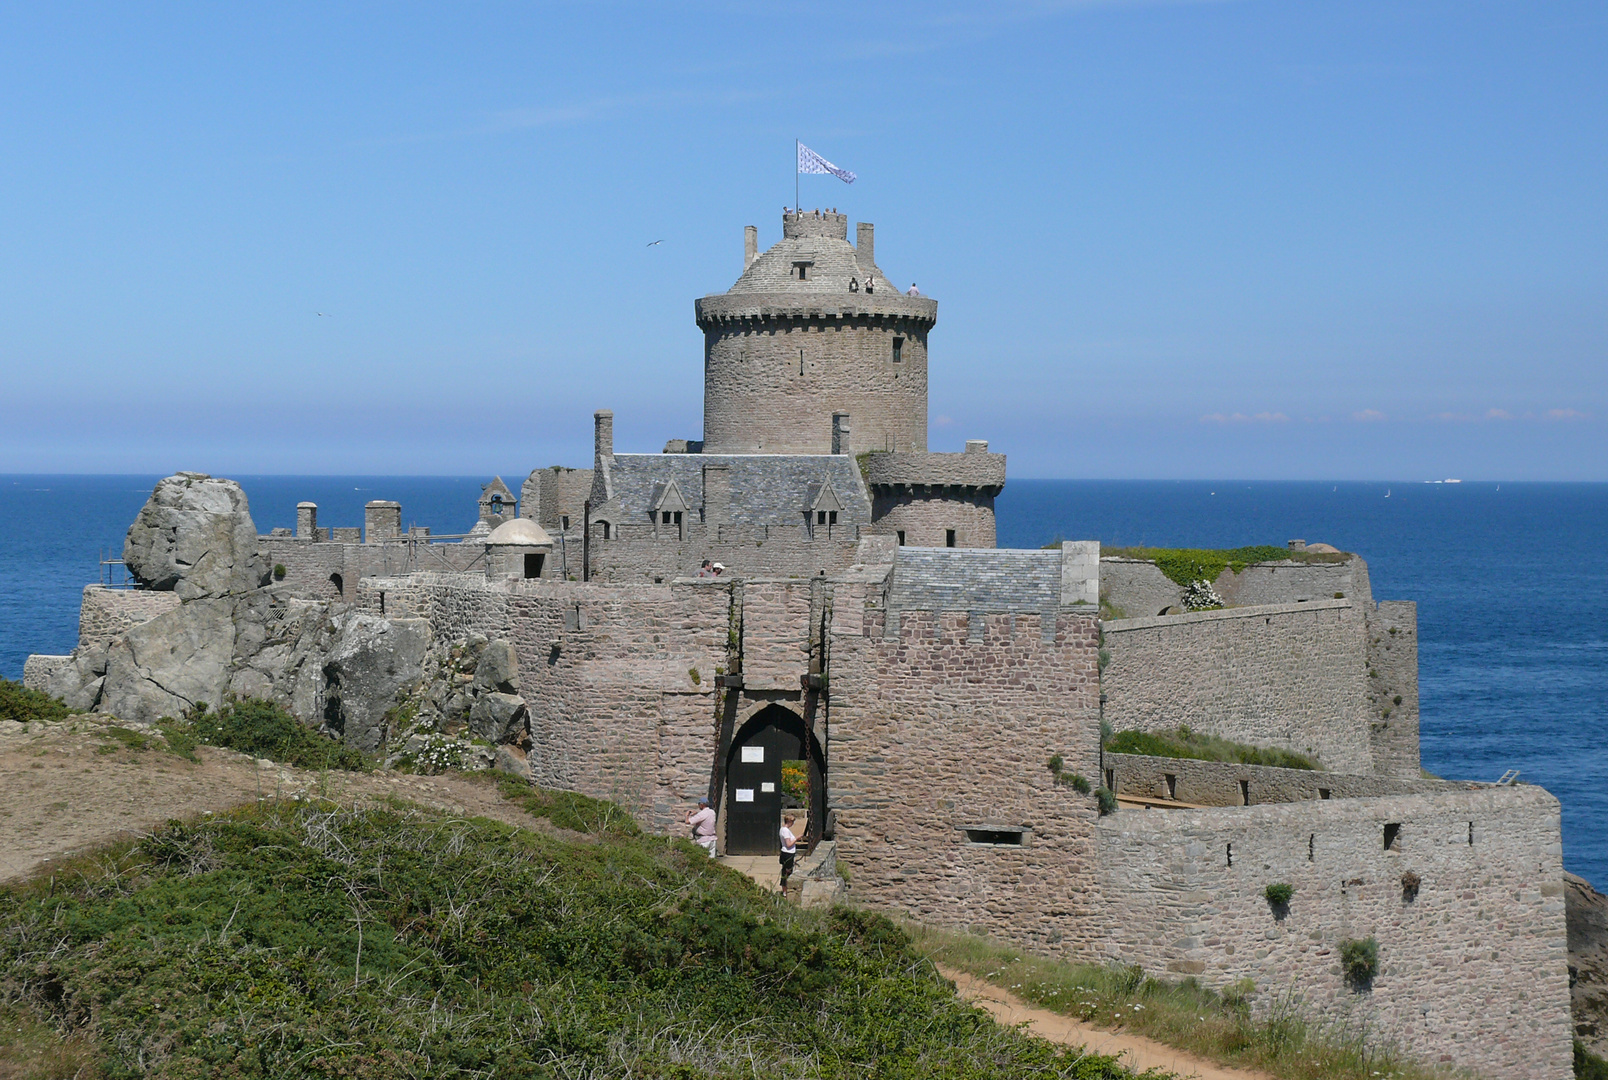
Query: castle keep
{"type": "Point", "coordinates": [872, 658]}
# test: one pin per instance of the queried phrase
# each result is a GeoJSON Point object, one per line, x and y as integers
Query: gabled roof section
{"type": "Point", "coordinates": [666, 496]}
{"type": "Point", "coordinates": [820, 496]}
{"type": "Point", "coordinates": [495, 488]}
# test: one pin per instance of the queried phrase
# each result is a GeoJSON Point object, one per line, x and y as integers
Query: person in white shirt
{"type": "Point", "coordinates": [703, 827]}
{"type": "Point", "coordinates": [789, 848]}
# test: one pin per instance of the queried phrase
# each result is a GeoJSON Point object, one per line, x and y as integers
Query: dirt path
{"type": "Point", "coordinates": [69, 786]}
{"type": "Point", "coordinates": [1137, 1052]}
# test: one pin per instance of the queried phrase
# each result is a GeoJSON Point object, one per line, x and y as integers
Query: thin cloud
{"type": "Point", "coordinates": [1242, 418]}
{"type": "Point", "coordinates": [1566, 414]}
{"type": "Point", "coordinates": [1367, 416]}
{"type": "Point", "coordinates": [1451, 417]}
{"type": "Point", "coordinates": [1498, 414]}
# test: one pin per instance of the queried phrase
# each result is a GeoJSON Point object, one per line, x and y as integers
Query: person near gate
{"type": "Point", "coordinates": [789, 848]}
{"type": "Point", "coordinates": [703, 826]}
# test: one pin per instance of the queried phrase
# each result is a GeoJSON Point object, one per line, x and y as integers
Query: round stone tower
{"type": "Point", "coordinates": [812, 330]}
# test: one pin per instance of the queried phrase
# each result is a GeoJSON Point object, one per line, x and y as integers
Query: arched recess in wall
{"type": "Point", "coordinates": [759, 782]}
{"type": "Point", "coordinates": [339, 583]}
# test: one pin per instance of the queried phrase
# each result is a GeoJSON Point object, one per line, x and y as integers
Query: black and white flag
{"type": "Point", "coordinates": [811, 162]}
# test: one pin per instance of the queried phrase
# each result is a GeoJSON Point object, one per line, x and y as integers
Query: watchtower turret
{"type": "Point", "coordinates": [812, 329]}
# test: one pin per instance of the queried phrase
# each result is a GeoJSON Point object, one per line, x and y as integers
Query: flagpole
{"type": "Point", "coordinates": [795, 176]}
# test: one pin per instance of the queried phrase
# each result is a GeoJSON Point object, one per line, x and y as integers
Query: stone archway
{"type": "Point", "coordinates": [754, 795]}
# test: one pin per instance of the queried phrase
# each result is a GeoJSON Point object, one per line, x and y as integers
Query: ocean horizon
{"type": "Point", "coordinates": [1513, 652]}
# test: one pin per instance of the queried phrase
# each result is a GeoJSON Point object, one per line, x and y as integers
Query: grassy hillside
{"type": "Point", "coordinates": [305, 939]}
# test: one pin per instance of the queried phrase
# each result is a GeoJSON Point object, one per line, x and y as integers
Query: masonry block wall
{"type": "Point", "coordinates": [1291, 676]}
{"type": "Point", "coordinates": [925, 515]}
{"type": "Point", "coordinates": [311, 565]}
{"type": "Point", "coordinates": [1472, 967]}
{"type": "Point", "coordinates": [1392, 652]}
{"type": "Point", "coordinates": [106, 613]}
{"type": "Point", "coordinates": [1137, 588]}
{"type": "Point", "coordinates": [639, 553]}
{"type": "Point", "coordinates": [620, 681]}
{"type": "Point", "coordinates": [948, 727]}
{"type": "Point", "coordinates": [550, 495]}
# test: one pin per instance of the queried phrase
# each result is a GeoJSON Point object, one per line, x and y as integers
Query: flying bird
{"type": "Point", "coordinates": [320, 314]}
{"type": "Point", "coordinates": [656, 242]}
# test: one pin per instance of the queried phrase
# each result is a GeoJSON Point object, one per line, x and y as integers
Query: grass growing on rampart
{"type": "Point", "coordinates": [19, 703]}
{"type": "Point", "coordinates": [1186, 565]}
{"type": "Point", "coordinates": [310, 940]}
{"type": "Point", "coordinates": [1223, 1027]}
{"type": "Point", "coordinates": [1184, 743]}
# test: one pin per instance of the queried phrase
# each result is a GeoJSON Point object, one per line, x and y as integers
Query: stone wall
{"type": "Point", "coordinates": [550, 495]}
{"type": "Point", "coordinates": [105, 613]}
{"type": "Point", "coordinates": [39, 667]}
{"type": "Point", "coordinates": [925, 515]}
{"type": "Point", "coordinates": [310, 565]}
{"type": "Point", "coordinates": [946, 727]}
{"type": "Point", "coordinates": [1137, 588]}
{"type": "Point", "coordinates": [1392, 652]}
{"type": "Point", "coordinates": [1291, 676]}
{"type": "Point", "coordinates": [1472, 969]}
{"type": "Point", "coordinates": [1223, 783]}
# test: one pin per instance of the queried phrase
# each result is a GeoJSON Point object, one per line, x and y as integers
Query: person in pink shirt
{"type": "Point", "coordinates": [703, 826]}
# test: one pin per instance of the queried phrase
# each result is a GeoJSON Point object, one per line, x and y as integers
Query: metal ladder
{"type": "Point", "coordinates": [1509, 778]}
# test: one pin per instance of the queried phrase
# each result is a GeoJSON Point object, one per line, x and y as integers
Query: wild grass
{"type": "Point", "coordinates": [1185, 743]}
{"type": "Point", "coordinates": [19, 703]}
{"type": "Point", "coordinates": [261, 729]}
{"type": "Point", "coordinates": [304, 939]}
{"type": "Point", "coordinates": [1239, 1027]}
{"type": "Point", "coordinates": [1186, 565]}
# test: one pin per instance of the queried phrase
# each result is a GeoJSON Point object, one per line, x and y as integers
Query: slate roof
{"type": "Point", "coordinates": [766, 489]}
{"type": "Point", "coordinates": [975, 579]}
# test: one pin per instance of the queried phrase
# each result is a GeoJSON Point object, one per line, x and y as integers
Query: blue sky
{"type": "Point", "coordinates": [1252, 240]}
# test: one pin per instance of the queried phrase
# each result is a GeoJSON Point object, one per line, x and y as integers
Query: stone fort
{"type": "Point", "coordinates": [870, 656]}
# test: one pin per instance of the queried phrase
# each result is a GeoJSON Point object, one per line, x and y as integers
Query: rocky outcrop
{"type": "Point", "coordinates": [1586, 911]}
{"type": "Point", "coordinates": [470, 694]}
{"type": "Point", "coordinates": [195, 536]}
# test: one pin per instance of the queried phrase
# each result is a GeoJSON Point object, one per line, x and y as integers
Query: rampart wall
{"type": "Point", "coordinates": [106, 613]}
{"type": "Point", "coordinates": [1291, 676]}
{"type": "Point", "coordinates": [1223, 783]}
{"type": "Point", "coordinates": [1392, 654]}
{"type": "Point", "coordinates": [1472, 966]}
{"type": "Point", "coordinates": [946, 726]}
{"type": "Point", "coordinates": [310, 565]}
{"type": "Point", "coordinates": [1137, 588]}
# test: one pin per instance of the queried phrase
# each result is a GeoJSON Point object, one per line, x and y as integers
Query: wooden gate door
{"type": "Point", "coordinates": [754, 782]}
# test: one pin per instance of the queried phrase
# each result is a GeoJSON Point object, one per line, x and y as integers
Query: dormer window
{"type": "Point", "coordinates": [801, 269]}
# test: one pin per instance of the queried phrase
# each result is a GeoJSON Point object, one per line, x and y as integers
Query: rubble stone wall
{"type": "Point", "coordinates": [1472, 966]}
{"type": "Point", "coordinates": [1219, 783]}
{"type": "Point", "coordinates": [923, 517]}
{"type": "Point", "coordinates": [1392, 652]}
{"type": "Point", "coordinates": [106, 613]}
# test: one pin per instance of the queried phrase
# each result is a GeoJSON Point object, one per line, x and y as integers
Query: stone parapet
{"type": "Point", "coordinates": [971, 470]}
{"type": "Point", "coordinates": [1229, 783]}
{"type": "Point", "coordinates": [883, 305]}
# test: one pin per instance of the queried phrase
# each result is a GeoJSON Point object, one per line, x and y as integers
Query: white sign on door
{"type": "Point", "coordinates": [753, 753]}
{"type": "Point", "coordinates": [767, 787]}
{"type": "Point", "coordinates": [745, 794]}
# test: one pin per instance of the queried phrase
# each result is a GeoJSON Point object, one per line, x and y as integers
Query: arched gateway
{"type": "Point", "coordinates": [756, 787]}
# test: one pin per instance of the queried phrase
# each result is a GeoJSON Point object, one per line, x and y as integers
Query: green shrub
{"type": "Point", "coordinates": [1075, 781]}
{"type": "Point", "coordinates": [1107, 799]}
{"type": "Point", "coordinates": [1588, 1066]}
{"type": "Point", "coordinates": [19, 703]}
{"type": "Point", "coordinates": [1359, 960]}
{"type": "Point", "coordinates": [306, 940]}
{"type": "Point", "coordinates": [1278, 894]}
{"type": "Point", "coordinates": [279, 571]}
{"type": "Point", "coordinates": [1185, 743]}
{"type": "Point", "coordinates": [263, 729]}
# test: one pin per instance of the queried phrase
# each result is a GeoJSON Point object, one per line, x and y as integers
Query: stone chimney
{"type": "Point", "coordinates": [603, 433]}
{"type": "Point", "coordinates": [865, 245]}
{"type": "Point", "coordinates": [1297, 545]}
{"type": "Point", "coordinates": [717, 494]}
{"type": "Point", "coordinates": [750, 245]}
{"type": "Point", "coordinates": [382, 520]}
{"type": "Point", "coordinates": [976, 446]}
{"type": "Point", "coordinates": [840, 433]}
{"type": "Point", "coordinates": [307, 521]}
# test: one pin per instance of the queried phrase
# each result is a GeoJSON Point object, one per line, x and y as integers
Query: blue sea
{"type": "Point", "coordinates": [1511, 582]}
